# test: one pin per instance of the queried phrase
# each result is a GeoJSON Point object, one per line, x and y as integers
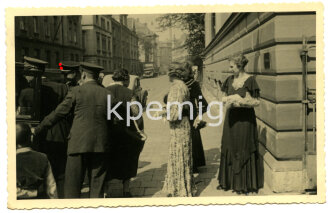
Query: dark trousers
{"type": "Point", "coordinates": [76, 167]}
{"type": "Point", "coordinates": [57, 155]}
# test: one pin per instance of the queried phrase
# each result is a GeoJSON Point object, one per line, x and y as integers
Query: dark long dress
{"type": "Point", "coordinates": [124, 150]}
{"type": "Point", "coordinates": [240, 168]}
{"type": "Point", "coordinates": [197, 145]}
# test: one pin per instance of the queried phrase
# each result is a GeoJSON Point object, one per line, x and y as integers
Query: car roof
{"type": "Point", "coordinates": [107, 80]}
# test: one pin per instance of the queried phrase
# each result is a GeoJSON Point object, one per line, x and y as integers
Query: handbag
{"type": "Point", "coordinates": [138, 134]}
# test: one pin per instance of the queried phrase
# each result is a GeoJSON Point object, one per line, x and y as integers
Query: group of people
{"type": "Point", "coordinates": [98, 150]}
{"type": "Point", "coordinates": [77, 143]}
{"type": "Point", "coordinates": [240, 164]}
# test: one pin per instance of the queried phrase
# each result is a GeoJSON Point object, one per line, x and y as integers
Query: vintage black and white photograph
{"type": "Point", "coordinates": [167, 105]}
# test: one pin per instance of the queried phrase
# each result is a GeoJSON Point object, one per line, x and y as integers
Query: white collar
{"type": "Point", "coordinates": [23, 149]}
{"type": "Point", "coordinates": [117, 83]}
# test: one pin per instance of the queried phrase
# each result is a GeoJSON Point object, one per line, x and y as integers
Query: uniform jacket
{"type": "Point", "coordinates": [52, 94]}
{"type": "Point", "coordinates": [90, 128]}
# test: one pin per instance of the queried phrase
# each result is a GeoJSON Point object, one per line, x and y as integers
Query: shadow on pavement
{"type": "Point", "coordinates": [149, 182]}
{"type": "Point", "coordinates": [209, 171]}
{"type": "Point", "coordinates": [143, 164]}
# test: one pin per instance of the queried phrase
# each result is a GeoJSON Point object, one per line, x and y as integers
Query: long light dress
{"type": "Point", "coordinates": [179, 178]}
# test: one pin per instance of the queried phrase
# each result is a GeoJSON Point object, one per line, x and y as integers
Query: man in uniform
{"type": "Point", "coordinates": [27, 100]}
{"type": "Point", "coordinates": [54, 141]}
{"type": "Point", "coordinates": [71, 74]}
{"type": "Point", "coordinates": [89, 137]}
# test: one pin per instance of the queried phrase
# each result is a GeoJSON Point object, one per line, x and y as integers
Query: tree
{"type": "Point", "coordinates": [193, 23]}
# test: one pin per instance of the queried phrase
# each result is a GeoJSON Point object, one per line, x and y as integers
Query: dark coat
{"type": "Point", "coordinates": [125, 151]}
{"type": "Point", "coordinates": [52, 94]}
{"type": "Point", "coordinates": [90, 128]}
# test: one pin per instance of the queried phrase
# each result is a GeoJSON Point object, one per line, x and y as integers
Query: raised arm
{"type": "Point", "coordinates": [61, 111]}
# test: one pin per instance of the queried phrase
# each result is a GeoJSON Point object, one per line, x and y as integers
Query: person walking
{"type": "Point", "coordinates": [125, 149]}
{"type": "Point", "coordinates": [88, 143]}
{"type": "Point", "coordinates": [179, 177]}
{"type": "Point", "coordinates": [240, 168]}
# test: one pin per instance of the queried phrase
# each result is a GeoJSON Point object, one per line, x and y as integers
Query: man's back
{"type": "Point", "coordinates": [52, 94]}
{"type": "Point", "coordinates": [89, 131]}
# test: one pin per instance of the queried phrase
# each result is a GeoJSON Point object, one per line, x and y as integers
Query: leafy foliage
{"type": "Point", "coordinates": [193, 23]}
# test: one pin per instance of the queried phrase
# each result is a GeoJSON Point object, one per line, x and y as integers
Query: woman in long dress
{"type": "Point", "coordinates": [196, 96]}
{"type": "Point", "coordinates": [240, 168]}
{"type": "Point", "coordinates": [179, 178]}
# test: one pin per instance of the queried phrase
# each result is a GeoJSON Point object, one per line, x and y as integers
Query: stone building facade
{"type": "Point", "coordinates": [165, 56]}
{"type": "Point", "coordinates": [125, 45]}
{"type": "Point", "coordinates": [147, 43]}
{"type": "Point", "coordinates": [273, 43]}
{"type": "Point", "coordinates": [96, 36]}
{"type": "Point", "coordinates": [49, 38]}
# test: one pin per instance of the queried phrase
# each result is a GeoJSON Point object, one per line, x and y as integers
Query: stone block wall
{"type": "Point", "coordinates": [272, 43]}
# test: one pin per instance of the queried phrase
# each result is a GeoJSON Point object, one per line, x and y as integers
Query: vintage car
{"type": "Point", "coordinates": [134, 85]}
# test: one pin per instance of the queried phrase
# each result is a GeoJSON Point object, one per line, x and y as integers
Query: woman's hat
{"type": "Point", "coordinates": [177, 70]}
{"type": "Point", "coordinates": [120, 75]}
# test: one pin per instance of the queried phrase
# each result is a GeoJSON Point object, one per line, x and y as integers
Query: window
{"type": "Point", "coordinates": [98, 62]}
{"type": "Point", "coordinates": [77, 57]}
{"type": "Point", "coordinates": [102, 23]}
{"type": "Point", "coordinates": [75, 33]}
{"type": "Point", "coordinates": [46, 25]}
{"type": "Point", "coordinates": [72, 57]}
{"type": "Point", "coordinates": [97, 19]}
{"type": "Point", "coordinates": [56, 28]}
{"type": "Point", "coordinates": [35, 25]}
{"type": "Point", "coordinates": [105, 64]}
{"type": "Point", "coordinates": [48, 58]}
{"type": "Point", "coordinates": [22, 24]}
{"type": "Point", "coordinates": [104, 44]}
{"type": "Point", "coordinates": [266, 61]}
{"type": "Point", "coordinates": [36, 53]}
{"type": "Point", "coordinates": [57, 58]}
{"type": "Point", "coordinates": [24, 52]}
{"type": "Point", "coordinates": [98, 42]}
{"type": "Point", "coordinates": [70, 31]}
{"type": "Point", "coordinates": [109, 45]}
{"type": "Point", "coordinates": [83, 39]}
{"type": "Point", "coordinates": [108, 26]}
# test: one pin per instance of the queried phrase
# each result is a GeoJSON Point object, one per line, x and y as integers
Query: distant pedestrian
{"type": "Point", "coordinates": [34, 177]}
{"type": "Point", "coordinates": [179, 180]}
{"type": "Point", "coordinates": [89, 137]}
{"type": "Point", "coordinates": [240, 168]}
{"type": "Point", "coordinates": [126, 145]}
